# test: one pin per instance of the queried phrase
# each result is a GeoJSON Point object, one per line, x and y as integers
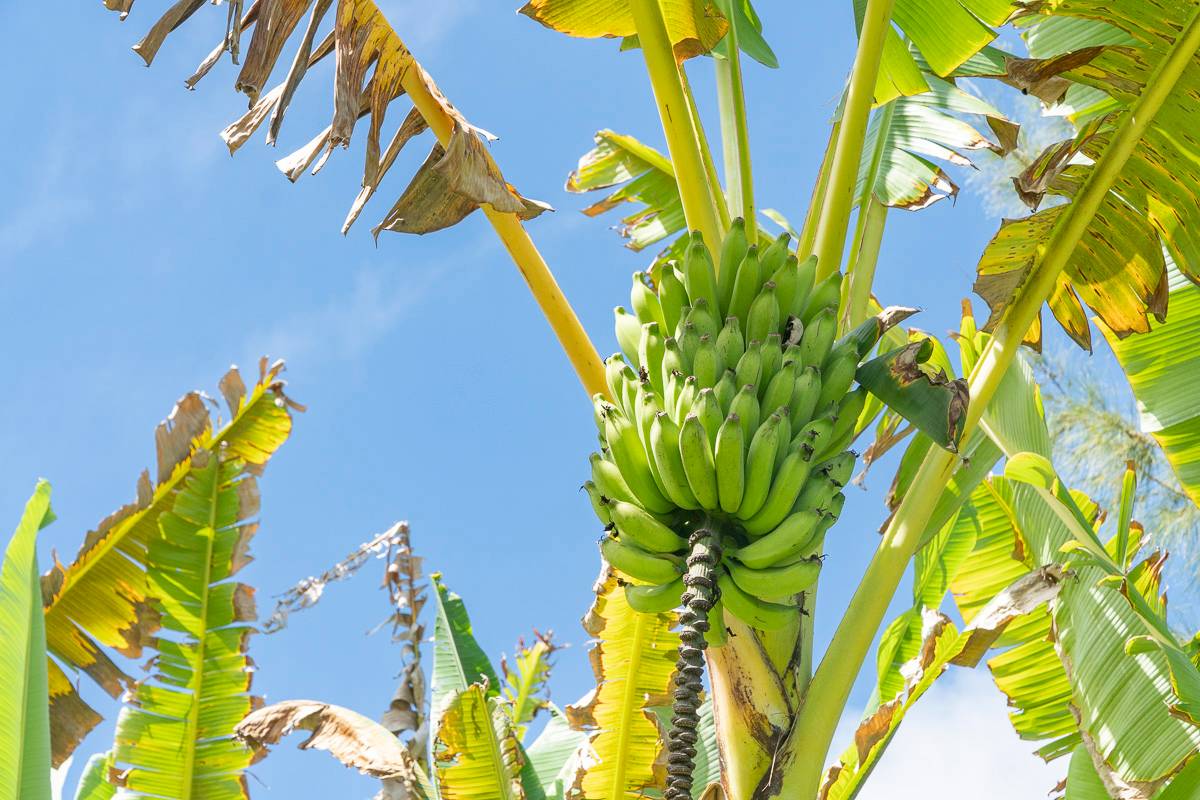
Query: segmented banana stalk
{"type": "Point", "coordinates": [703, 563]}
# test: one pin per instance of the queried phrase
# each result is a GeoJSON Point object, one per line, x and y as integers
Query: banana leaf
{"type": "Point", "coordinates": [694, 26]}
{"type": "Point", "coordinates": [1163, 367]}
{"type": "Point", "coordinates": [372, 66]}
{"type": "Point", "coordinates": [24, 722]}
{"type": "Point", "coordinates": [1118, 268]}
{"type": "Point", "coordinates": [554, 755]}
{"type": "Point", "coordinates": [93, 782]}
{"type": "Point", "coordinates": [634, 662]}
{"type": "Point", "coordinates": [106, 598]}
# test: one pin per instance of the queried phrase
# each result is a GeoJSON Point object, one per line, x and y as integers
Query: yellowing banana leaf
{"type": "Point", "coordinates": [554, 756]}
{"type": "Point", "coordinates": [1163, 368]}
{"type": "Point", "coordinates": [648, 178]}
{"type": "Point", "coordinates": [351, 738]}
{"type": "Point", "coordinates": [694, 26]}
{"type": "Point", "coordinates": [945, 32]}
{"type": "Point", "coordinates": [476, 750]}
{"type": "Point", "coordinates": [634, 662]}
{"type": "Point", "coordinates": [373, 67]}
{"type": "Point", "coordinates": [107, 597]}
{"type": "Point", "coordinates": [1118, 268]}
{"type": "Point", "coordinates": [24, 722]}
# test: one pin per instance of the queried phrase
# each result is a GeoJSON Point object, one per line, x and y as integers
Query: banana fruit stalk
{"type": "Point", "coordinates": [724, 447]}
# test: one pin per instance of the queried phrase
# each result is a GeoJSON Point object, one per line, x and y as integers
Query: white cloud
{"type": "Point", "coordinates": [957, 742]}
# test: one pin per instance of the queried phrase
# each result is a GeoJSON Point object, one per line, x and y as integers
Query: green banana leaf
{"type": "Point", "coordinates": [749, 31]}
{"type": "Point", "coordinates": [24, 722]}
{"type": "Point", "coordinates": [649, 181]}
{"type": "Point", "coordinates": [526, 682]}
{"type": "Point", "coordinates": [634, 661]}
{"type": "Point", "coordinates": [946, 33]}
{"type": "Point", "coordinates": [461, 671]}
{"type": "Point", "coordinates": [93, 782]}
{"type": "Point", "coordinates": [906, 133]}
{"type": "Point", "coordinates": [555, 755]}
{"type": "Point", "coordinates": [1163, 367]}
{"type": "Point", "coordinates": [84, 615]}
{"type": "Point", "coordinates": [1118, 268]}
{"type": "Point", "coordinates": [918, 391]}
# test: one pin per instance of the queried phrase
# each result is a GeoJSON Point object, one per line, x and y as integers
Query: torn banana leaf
{"type": "Point", "coordinates": [694, 26]}
{"type": "Point", "coordinates": [476, 750]}
{"type": "Point", "coordinates": [555, 755]}
{"type": "Point", "coordinates": [1118, 267]}
{"type": "Point", "coordinates": [373, 68]}
{"type": "Point", "coordinates": [922, 394]}
{"type": "Point", "coordinates": [634, 662]}
{"type": "Point", "coordinates": [108, 597]}
{"type": "Point", "coordinates": [351, 738]}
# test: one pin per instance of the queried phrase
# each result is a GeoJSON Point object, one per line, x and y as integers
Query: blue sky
{"type": "Point", "coordinates": [140, 260]}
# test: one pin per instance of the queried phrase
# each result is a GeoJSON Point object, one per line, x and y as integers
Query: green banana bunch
{"type": "Point", "coordinates": [732, 407]}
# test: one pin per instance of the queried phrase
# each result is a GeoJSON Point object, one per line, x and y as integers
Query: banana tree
{"type": "Point", "coordinates": [747, 367]}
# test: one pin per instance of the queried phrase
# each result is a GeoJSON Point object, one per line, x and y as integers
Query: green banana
{"type": "Point", "coordinates": [636, 525]}
{"type": "Point", "coordinates": [779, 390]}
{"type": "Point", "coordinates": [760, 465]}
{"type": "Point", "coordinates": [687, 397]}
{"type": "Point", "coordinates": [707, 365]}
{"type": "Point", "coordinates": [749, 366]}
{"type": "Point", "coordinates": [674, 385]}
{"type": "Point", "coordinates": [806, 273]}
{"type": "Point", "coordinates": [793, 536]}
{"type": "Point", "coordinates": [629, 333]}
{"type": "Point", "coordinates": [672, 358]}
{"type": "Point", "coordinates": [824, 295]}
{"type": "Point", "coordinates": [745, 405]}
{"type": "Point", "coordinates": [764, 314]}
{"type": "Point", "coordinates": [703, 317]}
{"type": "Point", "coordinates": [733, 250]}
{"type": "Point", "coordinates": [689, 343]}
{"type": "Point", "coordinates": [700, 276]}
{"type": "Point", "coordinates": [664, 445]}
{"type": "Point", "coordinates": [650, 351]}
{"type": "Point", "coordinates": [837, 374]}
{"type": "Point", "coordinates": [639, 564]}
{"type": "Point", "coordinates": [831, 516]}
{"type": "Point", "coordinates": [813, 436]}
{"type": "Point", "coordinates": [745, 286]}
{"type": "Point", "coordinates": [698, 463]}
{"type": "Point", "coordinates": [845, 423]}
{"type": "Point", "coordinates": [790, 479]}
{"type": "Point", "coordinates": [786, 278]}
{"type": "Point", "coordinates": [818, 337]}
{"type": "Point", "coordinates": [726, 389]}
{"type": "Point", "coordinates": [608, 480]}
{"type": "Point", "coordinates": [785, 436]}
{"type": "Point", "coordinates": [805, 394]}
{"type": "Point", "coordinates": [754, 612]}
{"type": "Point", "coordinates": [627, 453]}
{"type": "Point", "coordinates": [730, 462]}
{"type": "Point", "coordinates": [817, 493]}
{"type": "Point", "coordinates": [730, 342]}
{"type": "Point", "coordinates": [776, 252]}
{"type": "Point", "coordinates": [645, 303]}
{"type": "Point", "coordinates": [597, 500]}
{"type": "Point", "coordinates": [654, 599]}
{"type": "Point", "coordinates": [708, 409]}
{"type": "Point", "coordinates": [839, 468]}
{"type": "Point", "coordinates": [672, 297]}
{"type": "Point", "coordinates": [772, 359]}
{"type": "Point", "coordinates": [622, 381]}
{"type": "Point", "coordinates": [776, 581]}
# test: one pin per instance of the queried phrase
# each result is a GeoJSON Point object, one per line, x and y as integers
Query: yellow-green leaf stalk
{"type": "Point", "coordinates": [678, 126]}
{"type": "Point", "coordinates": [802, 758]}
{"type": "Point", "coordinates": [839, 197]}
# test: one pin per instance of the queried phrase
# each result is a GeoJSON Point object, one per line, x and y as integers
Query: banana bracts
{"type": "Point", "coordinates": [732, 405]}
